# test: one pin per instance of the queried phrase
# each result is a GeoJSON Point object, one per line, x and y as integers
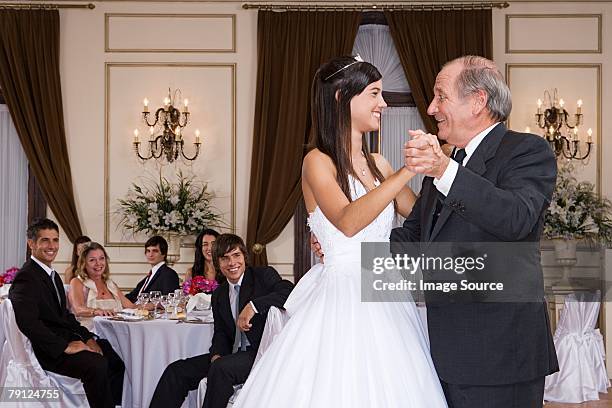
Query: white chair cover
{"type": "Point", "coordinates": [580, 350]}
{"type": "Point", "coordinates": [274, 324]}
{"type": "Point", "coordinates": [23, 369]}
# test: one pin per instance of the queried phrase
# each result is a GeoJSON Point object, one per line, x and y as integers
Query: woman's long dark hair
{"type": "Point", "coordinates": [331, 114]}
{"type": "Point", "coordinates": [199, 263]}
{"type": "Point", "coordinates": [75, 257]}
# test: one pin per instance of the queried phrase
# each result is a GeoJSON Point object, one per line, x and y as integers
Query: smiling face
{"type": "Point", "coordinates": [454, 115]}
{"type": "Point", "coordinates": [232, 265]}
{"type": "Point", "coordinates": [45, 246]}
{"type": "Point", "coordinates": [366, 108]}
{"type": "Point", "coordinates": [95, 264]}
{"type": "Point", "coordinates": [207, 243]}
{"type": "Point", "coordinates": [153, 255]}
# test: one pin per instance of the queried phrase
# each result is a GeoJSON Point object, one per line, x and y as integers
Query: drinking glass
{"type": "Point", "coordinates": [165, 303]}
{"type": "Point", "coordinates": [155, 296]}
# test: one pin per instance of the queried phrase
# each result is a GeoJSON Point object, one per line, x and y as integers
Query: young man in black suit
{"type": "Point", "coordinates": [60, 343]}
{"type": "Point", "coordinates": [161, 277]}
{"type": "Point", "coordinates": [240, 308]}
{"type": "Point", "coordinates": [495, 189]}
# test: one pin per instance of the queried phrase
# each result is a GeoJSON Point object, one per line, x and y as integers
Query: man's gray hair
{"type": "Point", "coordinates": [478, 74]}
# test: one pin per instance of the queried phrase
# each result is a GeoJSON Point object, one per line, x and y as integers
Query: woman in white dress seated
{"type": "Point", "coordinates": [92, 291]}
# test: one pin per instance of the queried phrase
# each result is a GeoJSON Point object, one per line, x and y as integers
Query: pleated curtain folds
{"type": "Point", "coordinates": [30, 80]}
{"type": "Point", "coordinates": [290, 48]}
{"type": "Point", "coordinates": [427, 39]}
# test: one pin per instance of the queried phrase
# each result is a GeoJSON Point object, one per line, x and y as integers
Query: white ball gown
{"type": "Point", "coordinates": [336, 351]}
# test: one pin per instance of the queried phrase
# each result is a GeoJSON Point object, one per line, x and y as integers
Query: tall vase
{"type": "Point", "coordinates": [565, 254]}
{"type": "Point", "coordinates": [174, 240]}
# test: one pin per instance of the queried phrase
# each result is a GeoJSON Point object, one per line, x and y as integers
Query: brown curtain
{"type": "Point", "coordinates": [290, 47]}
{"type": "Point", "coordinates": [426, 40]}
{"type": "Point", "coordinates": [30, 80]}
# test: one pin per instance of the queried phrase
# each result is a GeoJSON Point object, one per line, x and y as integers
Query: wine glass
{"type": "Point", "coordinates": [164, 301]}
{"type": "Point", "coordinates": [171, 299]}
{"type": "Point", "coordinates": [155, 296]}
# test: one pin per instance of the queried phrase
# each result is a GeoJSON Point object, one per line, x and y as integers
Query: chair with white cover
{"type": "Point", "coordinates": [275, 321]}
{"type": "Point", "coordinates": [580, 350]}
{"type": "Point", "coordinates": [24, 370]}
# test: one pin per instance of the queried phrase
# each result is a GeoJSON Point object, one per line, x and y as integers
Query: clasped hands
{"type": "Point", "coordinates": [423, 154]}
{"type": "Point", "coordinates": [77, 346]}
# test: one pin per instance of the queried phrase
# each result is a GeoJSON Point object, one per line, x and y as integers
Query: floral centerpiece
{"type": "Point", "coordinates": [183, 207]}
{"type": "Point", "coordinates": [8, 276]}
{"type": "Point", "coordinates": [199, 284]}
{"type": "Point", "coordinates": [577, 212]}
{"type": "Point", "coordinates": [199, 290]}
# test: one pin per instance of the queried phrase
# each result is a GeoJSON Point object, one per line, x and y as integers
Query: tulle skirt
{"type": "Point", "coordinates": [337, 351]}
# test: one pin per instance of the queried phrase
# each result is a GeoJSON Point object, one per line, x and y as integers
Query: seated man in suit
{"type": "Point", "coordinates": [60, 343]}
{"type": "Point", "coordinates": [161, 277]}
{"type": "Point", "coordinates": [240, 308]}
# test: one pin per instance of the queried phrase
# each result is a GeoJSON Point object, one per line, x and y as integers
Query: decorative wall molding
{"type": "Point", "coordinates": [231, 167]}
{"type": "Point", "coordinates": [557, 30]}
{"type": "Point", "coordinates": [597, 97]}
{"type": "Point", "coordinates": [188, 37]}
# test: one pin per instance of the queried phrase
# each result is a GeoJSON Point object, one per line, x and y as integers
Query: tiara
{"type": "Point", "coordinates": [357, 59]}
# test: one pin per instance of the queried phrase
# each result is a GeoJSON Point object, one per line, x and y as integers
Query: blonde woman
{"type": "Point", "coordinates": [92, 291]}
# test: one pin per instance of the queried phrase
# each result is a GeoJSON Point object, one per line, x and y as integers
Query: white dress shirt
{"type": "Point", "coordinates": [46, 268]}
{"type": "Point", "coordinates": [445, 182]}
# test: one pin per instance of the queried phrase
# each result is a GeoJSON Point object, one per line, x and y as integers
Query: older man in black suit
{"type": "Point", "coordinates": [240, 307]}
{"type": "Point", "coordinates": [161, 277]}
{"type": "Point", "coordinates": [496, 189]}
{"type": "Point", "coordinates": [59, 342]}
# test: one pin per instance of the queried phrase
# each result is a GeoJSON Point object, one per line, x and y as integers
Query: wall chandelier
{"type": "Point", "coordinates": [166, 130]}
{"type": "Point", "coordinates": [563, 136]}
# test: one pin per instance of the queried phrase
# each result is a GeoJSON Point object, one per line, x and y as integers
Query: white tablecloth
{"type": "Point", "coordinates": [147, 348]}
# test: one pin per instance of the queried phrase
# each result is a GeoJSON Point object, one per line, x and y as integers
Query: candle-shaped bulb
{"type": "Point", "coordinates": [185, 105]}
{"type": "Point", "coordinates": [527, 129]}
{"type": "Point", "coordinates": [166, 101]}
{"type": "Point", "coordinates": [197, 135]}
{"type": "Point", "coordinates": [135, 135]}
{"type": "Point", "coordinates": [590, 135]}
{"type": "Point", "coordinates": [145, 102]}
{"type": "Point", "coordinates": [151, 131]}
{"type": "Point", "coordinates": [561, 103]}
{"type": "Point", "coordinates": [539, 103]}
{"type": "Point", "coordinates": [579, 104]}
{"type": "Point", "coordinates": [551, 130]}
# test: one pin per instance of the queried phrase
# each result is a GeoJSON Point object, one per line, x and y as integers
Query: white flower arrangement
{"type": "Point", "coordinates": [576, 211]}
{"type": "Point", "coordinates": [183, 207]}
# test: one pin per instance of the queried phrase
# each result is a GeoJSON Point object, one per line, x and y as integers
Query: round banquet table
{"type": "Point", "coordinates": [147, 348]}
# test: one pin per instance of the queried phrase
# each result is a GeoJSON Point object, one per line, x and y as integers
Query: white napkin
{"type": "Point", "coordinates": [200, 301]}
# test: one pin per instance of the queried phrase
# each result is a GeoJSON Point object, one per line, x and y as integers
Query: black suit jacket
{"type": "Point", "coordinates": [261, 285]}
{"type": "Point", "coordinates": [501, 195]}
{"type": "Point", "coordinates": [165, 280]}
{"type": "Point", "coordinates": [40, 317]}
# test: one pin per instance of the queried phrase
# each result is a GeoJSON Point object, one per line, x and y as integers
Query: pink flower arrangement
{"type": "Point", "coordinates": [199, 284]}
{"type": "Point", "coordinates": [9, 275]}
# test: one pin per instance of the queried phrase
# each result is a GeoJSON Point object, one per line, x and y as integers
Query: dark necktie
{"type": "Point", "coordinates": [459, 156]}
{"type": "Point", "coordinates": [59, 298]}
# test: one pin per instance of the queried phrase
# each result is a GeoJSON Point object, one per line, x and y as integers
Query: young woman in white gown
{"type": "Point", "coordinates": [336, 351]}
